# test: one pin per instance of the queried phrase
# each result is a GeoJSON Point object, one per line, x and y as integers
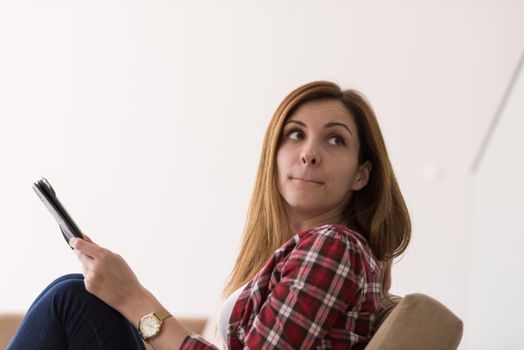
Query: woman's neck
{"type": "Point", "coordinates": [300, 222]}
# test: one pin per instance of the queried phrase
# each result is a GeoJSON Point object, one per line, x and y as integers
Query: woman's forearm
{"type": "Point", "coordinates": [172, 333]}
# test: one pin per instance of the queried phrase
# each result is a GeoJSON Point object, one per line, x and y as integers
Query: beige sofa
{"type": "Point", "coordinates": [416, 322]}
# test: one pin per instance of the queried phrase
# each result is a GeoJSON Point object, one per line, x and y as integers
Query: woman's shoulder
{"type": "Point", "coordinates": [335, 231]}
{"type": "Point", "coordinates": [341, 235]}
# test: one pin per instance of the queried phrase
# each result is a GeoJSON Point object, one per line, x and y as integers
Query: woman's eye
{"type": "Point", "coordinates": [295, 134]}
{"type": "Point", "coordinates": [339, 141]}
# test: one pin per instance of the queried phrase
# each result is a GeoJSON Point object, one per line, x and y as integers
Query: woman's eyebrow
{"type": "Point", "coordinates": [331, 124]}
{"type": "Point", "coordinates": [328, 125]}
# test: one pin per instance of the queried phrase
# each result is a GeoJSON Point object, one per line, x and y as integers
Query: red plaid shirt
{"type": "Point", "coordinates": [320, 290]}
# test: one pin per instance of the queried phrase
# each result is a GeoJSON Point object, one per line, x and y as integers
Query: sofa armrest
{"type": "Point", "coordinates": [418, 322]}
{"type": "Point", "coordinates": [8, 325]}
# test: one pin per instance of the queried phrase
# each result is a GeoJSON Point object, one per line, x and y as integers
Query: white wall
{"type": "Point", "coordinates": [148, 118]}
{"type": "Point", "coordinates": [497, 282]}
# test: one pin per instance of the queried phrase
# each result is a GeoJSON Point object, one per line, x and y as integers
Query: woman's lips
{"type": "Point", "coordinates": [305, 180]}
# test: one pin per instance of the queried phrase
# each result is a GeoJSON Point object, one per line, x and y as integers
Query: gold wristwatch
{"type": "Point", "coordinates": [150, 324]}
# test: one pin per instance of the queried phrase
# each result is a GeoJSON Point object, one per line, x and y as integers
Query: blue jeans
{"type": "Point", "coordinates": [66, 316]}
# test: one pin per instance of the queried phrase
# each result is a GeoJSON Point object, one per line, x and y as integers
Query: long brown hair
{"type": "Point", "coordinates": [377, 211]}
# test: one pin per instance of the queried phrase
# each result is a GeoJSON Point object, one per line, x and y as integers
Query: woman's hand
{"type": "Point", "coordinates": [109, 277]}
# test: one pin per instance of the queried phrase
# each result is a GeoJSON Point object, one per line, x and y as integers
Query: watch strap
{"type": "Point", "coordinates": [162, 315]}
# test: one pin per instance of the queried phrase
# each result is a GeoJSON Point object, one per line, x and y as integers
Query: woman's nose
{"type": "Point", "coordinates": [308, 157]}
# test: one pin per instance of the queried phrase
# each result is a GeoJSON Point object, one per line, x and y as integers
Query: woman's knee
{"type": "Point", "coordinates": [60, 296]}
{"type": "Point", "coordinates": [68, 286]}
{"type": "Point", "coordinates": [70, 294]}
{"type": "Point", "coordinates": [67, 277]}
{"type": "Point", "coordinates": [73, 304]}
{"type": "Point", "coordinates": [59, 280]}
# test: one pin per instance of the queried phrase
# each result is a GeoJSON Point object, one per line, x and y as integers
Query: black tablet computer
{"type": "Point", "coordinates": [47, 194]}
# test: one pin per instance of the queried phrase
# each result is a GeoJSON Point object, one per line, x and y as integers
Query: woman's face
{"type": "Point", "coordinates": [317, 160]}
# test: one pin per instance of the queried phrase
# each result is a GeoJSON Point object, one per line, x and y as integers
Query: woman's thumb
{"type": "Point", "coordinates": [86, 238]}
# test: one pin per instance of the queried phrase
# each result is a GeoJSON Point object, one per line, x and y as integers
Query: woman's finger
{"type": "Point", "coordinates": [85, 260]}
{"type": "Point", "coordinates": [85, 270]}
{"type": "Point", "coordinates": [90, 249]}
{"type": "Point", "coordinates": [87, 238]}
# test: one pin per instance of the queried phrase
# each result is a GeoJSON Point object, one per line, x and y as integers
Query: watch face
{"type": "Point", "coordinates": [149, 326]}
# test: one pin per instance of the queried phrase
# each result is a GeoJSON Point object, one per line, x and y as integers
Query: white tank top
{"type": "Point", "coordinates": [224, 313]}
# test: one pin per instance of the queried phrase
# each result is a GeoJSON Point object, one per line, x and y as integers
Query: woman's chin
{"type": "Point", "coordinates": [304, 208]}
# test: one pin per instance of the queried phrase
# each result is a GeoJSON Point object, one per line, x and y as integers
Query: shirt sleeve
{"type": "Point", "coordinates": [320, 279]}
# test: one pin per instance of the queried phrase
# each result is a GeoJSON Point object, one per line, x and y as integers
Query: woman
{"type": "Point", "coordinates": [325, 221]}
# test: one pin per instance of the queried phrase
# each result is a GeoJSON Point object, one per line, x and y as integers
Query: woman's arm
{"type": "Point", "coordinates": [109, 278]}
{"type": "Point", "coordinates": [320, 279]}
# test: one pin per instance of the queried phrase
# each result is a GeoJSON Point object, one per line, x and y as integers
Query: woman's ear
{"type": "Point", "coordinates": [363, 173]}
